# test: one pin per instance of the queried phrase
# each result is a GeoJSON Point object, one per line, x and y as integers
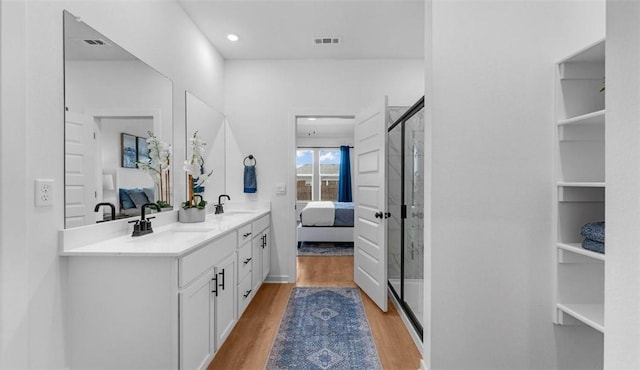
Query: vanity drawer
{"type": "Point", "coordinates": [245, 294]}
{"type": "Point", "coordinates": [244, 261]}
{"type": "Point", "coordinates": [261, 224]}
{"type": "Point", "coordinates": [194, 264]}
{"type": "Point", "coordinates": [244, 234]}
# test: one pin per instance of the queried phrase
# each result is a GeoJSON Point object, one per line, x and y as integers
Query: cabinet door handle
{"type": "Point", "coordinates": [264, 240]}
{"type": "Point", "coordinates": [247, 260]}
{"type": "Point", "coordinates": [246, 234]}
{"type": "Point", "coordinates": [247, 293]}
{"type": "Point", "coordinates": [215, 285]}
{"type": "Point", "coordinates": [222, 284]}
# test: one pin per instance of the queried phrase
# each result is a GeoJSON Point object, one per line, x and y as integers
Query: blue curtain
{"type": "Point", "coordinates": [344, 181]}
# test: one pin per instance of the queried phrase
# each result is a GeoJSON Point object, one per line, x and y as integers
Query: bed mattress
{"type": "Point", "coordinates": [338, 214]}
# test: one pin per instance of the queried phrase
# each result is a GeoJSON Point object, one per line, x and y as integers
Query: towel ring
{"type": "Point", "coordinates": [251, 158]}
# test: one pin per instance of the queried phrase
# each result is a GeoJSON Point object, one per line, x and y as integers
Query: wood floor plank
{"type": "Point", "coordinates": [249, 343]}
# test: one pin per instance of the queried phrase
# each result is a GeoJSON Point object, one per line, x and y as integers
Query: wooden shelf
{"type": "Point", "coordinates": [580, 184]}
{"type": "Point", "coordinates": [593, 118]}
{"type": "Point", "coordinates": [577, 248]}
{"type": "Point", "coordinates": [590, 314]}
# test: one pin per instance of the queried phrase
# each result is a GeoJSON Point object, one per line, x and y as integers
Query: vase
{"type": "Point", "coordinates": [191, 215]}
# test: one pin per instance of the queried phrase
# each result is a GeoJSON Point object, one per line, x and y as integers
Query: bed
{"type": "Point", "coordinates": [326, 222]}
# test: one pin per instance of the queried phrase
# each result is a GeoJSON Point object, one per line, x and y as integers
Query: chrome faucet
{"type": "Point", "coordinates": [110, 205]}
{"type": "Point", "coordinates": [143, 225]}
{"type": "Point", "coordinates": [219, 208]}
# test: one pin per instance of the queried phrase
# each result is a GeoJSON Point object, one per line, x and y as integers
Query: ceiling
{"type": "Point", "coordinates": [285, 29]}
{"type": "Point", "coordinates": [324, 127]}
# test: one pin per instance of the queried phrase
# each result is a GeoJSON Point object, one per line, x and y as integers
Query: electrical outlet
{"type": "Point", "coordinates": [43, 193]}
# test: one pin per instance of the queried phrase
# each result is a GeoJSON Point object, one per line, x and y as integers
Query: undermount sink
{"type": "Point", "coordinates": [192, 229]}
{"type": "Point", "coordinates": [238, 212]}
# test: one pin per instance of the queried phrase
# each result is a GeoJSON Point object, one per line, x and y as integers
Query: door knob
{"type": "Point", "coordinates": [378, 214]}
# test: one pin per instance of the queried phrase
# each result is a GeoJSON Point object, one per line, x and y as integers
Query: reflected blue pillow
{"type": "Point", "coordinates": [138, 197]}
{"type": "Point", "coordinates": [151, 194]}
{"type": "Point", "coordinates": [125, 199]}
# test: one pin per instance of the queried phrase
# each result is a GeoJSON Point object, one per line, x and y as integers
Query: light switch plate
{"type": "Point", "coordinates": [43, 192]}
{"type": "Point", "coordinates": [281, 188]}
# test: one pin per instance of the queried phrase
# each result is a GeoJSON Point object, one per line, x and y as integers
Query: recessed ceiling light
{"type": "Point", "coordinates": [312, 118]}
{"type": "Point", "coordinates": [232, 37]}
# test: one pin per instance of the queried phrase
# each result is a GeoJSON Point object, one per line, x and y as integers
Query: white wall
{"type": "Point", "coordinates": [262, 98]}
{"type": "Point", "coordinates": [32, 282]}
{"type": "Point", "coordinates": [490, 95]}
{"type": "Point", "coordinates": [622, 269]}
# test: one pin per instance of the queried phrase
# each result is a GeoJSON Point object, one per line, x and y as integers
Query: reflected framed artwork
{"type": "Point", "coordinates": [143, 149]}
{"type": "Point", "coordinates": [129, 152]}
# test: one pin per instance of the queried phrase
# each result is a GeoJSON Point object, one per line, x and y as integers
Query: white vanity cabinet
{"type": "Point", "coordinates": [166, 300]}
{"type": "Point", "coordinates": [245, 266]}
{"type": "Point", "coordinates": [152, 312]}
{"type": "Point", "coordinates": [254, 259]}
{"type": "Point", "coordinates": [262, 245]}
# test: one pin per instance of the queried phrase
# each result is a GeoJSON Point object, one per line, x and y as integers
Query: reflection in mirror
{"type": "Point", "coordinates": [113, 102]}
{"type": "Point", "coordinates": [211, 129]}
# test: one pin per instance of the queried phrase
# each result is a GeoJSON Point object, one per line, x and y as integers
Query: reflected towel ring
{"type": "Point", "coordinates": [251, 158]}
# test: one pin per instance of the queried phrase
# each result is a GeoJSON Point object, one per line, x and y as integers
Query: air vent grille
{"type": "Point", "coordinates": [95, 42]}
{"type": "Point", "coordinates": [327, 40]}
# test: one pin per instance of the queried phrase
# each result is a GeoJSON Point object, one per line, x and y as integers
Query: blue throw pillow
{"type": "Point", "coordinates": [138, 197]}
{"type": "Point", "coordinates": [125, 199]}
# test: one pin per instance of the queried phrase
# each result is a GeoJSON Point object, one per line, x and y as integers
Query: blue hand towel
{"type": "Point", "coordinates": [593, 231]}
{"type": "Point", "coordinates": [250, 180]}
{"type": "Point", "coordinates": [593, 246]}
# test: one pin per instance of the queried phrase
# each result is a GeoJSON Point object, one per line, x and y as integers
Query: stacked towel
{"type": "Point", "coordinates": [593, 236]}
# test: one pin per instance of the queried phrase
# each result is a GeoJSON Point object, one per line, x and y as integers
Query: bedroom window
{"type": "Point", "coordinates": [317, 173]}
{"type": "Point", "coordinates": [304, 174]}
{"type": "Point", "coordinates": [329, 171]}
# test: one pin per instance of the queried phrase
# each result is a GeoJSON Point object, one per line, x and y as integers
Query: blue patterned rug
{"type": "Point", "coordinates": [325, 249]}
{"type": "Point", "coordinates": [324, 328]}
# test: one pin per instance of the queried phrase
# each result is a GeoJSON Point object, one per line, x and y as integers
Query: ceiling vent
{"type": "Point", "coordinates": [327, 40]}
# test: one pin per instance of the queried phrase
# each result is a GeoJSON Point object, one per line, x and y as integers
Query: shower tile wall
{"type": "Point", "coordinates": [414, 197]}
{"type": "Point", "coordinates": [394, 184]}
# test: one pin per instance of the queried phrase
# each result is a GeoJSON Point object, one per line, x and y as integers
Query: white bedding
{"type": "Point", "coordinates": [318, 214]}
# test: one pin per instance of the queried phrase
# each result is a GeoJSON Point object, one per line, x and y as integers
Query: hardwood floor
{"type": "Point", "coordinates": [249, 343]}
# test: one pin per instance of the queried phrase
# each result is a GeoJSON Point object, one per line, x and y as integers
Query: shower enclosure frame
{"type": "Point", "coordinates": [400, 296]}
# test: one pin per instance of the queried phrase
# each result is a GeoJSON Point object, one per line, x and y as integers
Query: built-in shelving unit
{"type": "Point", "coordinates": [579, 194]}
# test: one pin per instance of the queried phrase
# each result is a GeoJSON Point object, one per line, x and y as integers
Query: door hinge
{"type": "Point", "coordinates": [403, 211]}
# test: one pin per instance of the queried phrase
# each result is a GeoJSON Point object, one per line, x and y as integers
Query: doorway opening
{"type": "Point", "coordinates": [323, 213]}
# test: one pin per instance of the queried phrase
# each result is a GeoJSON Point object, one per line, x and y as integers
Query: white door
{"type": "Point", "coordinates": [370, 200]}
{"type": "Point", "coordinates": [81, 192]}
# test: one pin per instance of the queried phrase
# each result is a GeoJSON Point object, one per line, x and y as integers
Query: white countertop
{"type": "Point", "coordinates": [172, 240]}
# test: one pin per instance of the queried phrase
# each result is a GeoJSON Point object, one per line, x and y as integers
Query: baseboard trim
{"type": "Point", "coordinates": [423, 365]}
{"type": "Point", "coordinates": [277, 279]}
{"type": "Point", "coordinates": [416, 339]}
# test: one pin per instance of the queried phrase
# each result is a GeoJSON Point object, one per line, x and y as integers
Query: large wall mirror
{"type": "Point", "coordinates": [114, 102]}
{"type": "Point", "coordinates": [209, 123]}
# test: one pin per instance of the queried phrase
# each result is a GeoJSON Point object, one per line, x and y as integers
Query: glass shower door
{"type": "Point", "coordinates": [394, 203]}
{"type": "Point", "coordinates": [413, 276]}
{"type": "Point", "coordinates": [405, 202]}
